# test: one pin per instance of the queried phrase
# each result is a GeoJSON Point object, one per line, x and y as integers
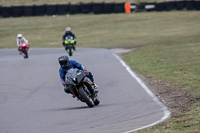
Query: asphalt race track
{"type": "Point", "coordinates": [32, 99]}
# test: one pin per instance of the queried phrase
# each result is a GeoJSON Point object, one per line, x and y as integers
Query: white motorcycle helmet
{"type": "Point", "coordinates": [19, 36]}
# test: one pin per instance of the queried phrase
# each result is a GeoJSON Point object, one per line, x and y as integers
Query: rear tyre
{"type": "Point", "coordinates": [86, 97]}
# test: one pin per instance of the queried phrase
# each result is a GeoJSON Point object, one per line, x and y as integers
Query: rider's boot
{"type": "Point", "coordinates": [19, 50]}
{"type": "Point", "coordinates": [69, 92]}
{"type": "Point", "coordinates": [73, 96]}
{"type": "Point", "coordinates": [95, 87]}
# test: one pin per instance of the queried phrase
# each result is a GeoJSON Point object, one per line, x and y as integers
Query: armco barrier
{"type": "Point", "coordinates": [86, 8]}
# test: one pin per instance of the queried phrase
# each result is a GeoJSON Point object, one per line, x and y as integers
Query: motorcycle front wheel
{"type": "Point", "coordinates": [96, 100]}
{"type": "Point", "coordinates": [70, 52]}
{"type": "Point", "coordinates": [85, 97]}
{"type": "Point", "coordinates": [25, 53]}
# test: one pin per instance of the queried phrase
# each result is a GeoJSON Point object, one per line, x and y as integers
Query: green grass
{"type": "Point", "coordinates": [168, 48]}
{"type": "Point", "coordinates": [177, 64]}
{"type": "Point", "coordinates": [108, 31]}
{"type": "Point", "coordinates": [188, 123]}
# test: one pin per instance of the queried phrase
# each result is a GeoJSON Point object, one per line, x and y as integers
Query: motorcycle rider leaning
{"type": "Point", "coordinates": [68, 32]}
{"type": "Point", "coordinates": [66, 64]}
{"type": "Point", "coordinates": [19, 38]}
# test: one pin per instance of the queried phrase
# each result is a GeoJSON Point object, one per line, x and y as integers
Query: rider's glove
{"type": "Point", "coordinates": [63, 83]}
{"type": "Point", "coordinates": [85, 71]}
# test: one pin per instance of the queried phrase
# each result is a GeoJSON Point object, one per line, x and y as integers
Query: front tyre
{"type": "Point", "coordinates": [86, 97]}
{"type": "Point", "coordinates": [96, 100]}
{"type": "Point", "coordinates": [25, 53]}
{"type": "Point", "coordinates": [70, 51]}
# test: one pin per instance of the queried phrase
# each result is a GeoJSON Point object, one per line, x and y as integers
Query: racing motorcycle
{"type": "Point", "coordinates": [23, 48]}
{"type": "Point", "coordinates": [69, 44]}
{"type": "Point", "coordinates": [81, 87]}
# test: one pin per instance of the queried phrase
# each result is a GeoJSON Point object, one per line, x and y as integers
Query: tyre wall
{"type": "Point", "coordinates": [190, 5]}
{"type": "Point", "coordinates": [17, 11]}
{"type": "Point", "coordinates": [74, 8]}
{"type": "Point", "coordinates": [97, 8]}
{"type": "Point", "coordinates": [86, 8]}
{"type": "Point", "coordinates": [197, 5]}
{"type": "Point", "coordinates": [40, 10]}
{"type": "Point", "coordinates": [108, 8]}
{"type": "Point", "coordinates": [119, 7]}
{"type": "Point", "coordinates": [62, 9]}
{"type": "Point", "coordinates": [6, 11]}
{"type": "Point", "coordinates": [51, 9]}
{"type": "Point", "coordinates": [150, 6]}
{"type": "Point", "coordinates": [180, 5]}
{"type": "Point", "coordinates": [28, 11]}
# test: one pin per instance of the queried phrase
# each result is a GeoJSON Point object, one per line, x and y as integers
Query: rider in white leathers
{"type": "Point", "coordinates": [20, 37]}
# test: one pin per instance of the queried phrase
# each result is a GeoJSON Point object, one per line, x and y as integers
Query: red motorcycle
{"type": "Point", "coordinates": [24, 48]}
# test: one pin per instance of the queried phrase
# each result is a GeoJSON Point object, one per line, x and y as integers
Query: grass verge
{"type": "Point", "coordinates": [172, 72]}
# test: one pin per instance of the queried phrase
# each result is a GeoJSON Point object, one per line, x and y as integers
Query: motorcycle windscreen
{"type": "Point", "coordinates": [69, 38]}
{"type": "Point", "coordinates": [69, 82]}
{"type": "Point", "coordinates": [22, 40]}
{"type": "Point", "coordinates": [75, 76]}
{"type": "Point", "coordinates": [70, 77]}
{"type": "Point", "coordinates": [80, 76]}
{"type": "Point", "coordinates": [72, 73]}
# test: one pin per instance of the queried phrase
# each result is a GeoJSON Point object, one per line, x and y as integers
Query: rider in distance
{"type": "Point", "coordinates": [19, 38]}
{"type": "Point", "coordinates": [68, 32]}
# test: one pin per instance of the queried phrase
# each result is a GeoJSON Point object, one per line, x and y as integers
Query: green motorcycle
{"type": "Point", "coordinates": [69, 44]}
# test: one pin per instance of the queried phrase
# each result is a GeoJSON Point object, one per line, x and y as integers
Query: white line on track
{"type": "Point", "coordinates": [166, 112]}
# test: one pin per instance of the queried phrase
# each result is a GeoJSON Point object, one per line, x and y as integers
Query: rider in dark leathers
{"type": "Point", "coordinates": [67, 64]}
{"type": "Point", "coordinates": [67, 33]}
